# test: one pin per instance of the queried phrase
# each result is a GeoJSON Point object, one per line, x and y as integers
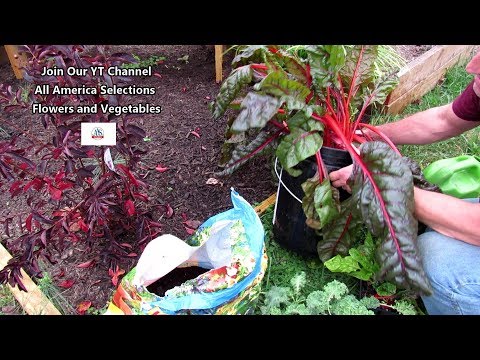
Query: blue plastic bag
{"type": "Point", "coordinates": [216, 291]}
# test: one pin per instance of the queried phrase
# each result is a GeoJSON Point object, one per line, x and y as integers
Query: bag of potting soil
{"type": "Point", "coordinates": [217, 271]}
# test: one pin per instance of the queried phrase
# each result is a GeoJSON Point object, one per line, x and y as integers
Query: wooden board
{"type": "Point", "coordinates": [218, 63]}
{"type": "Point", "coordinates": [17, 60]}
{"type": "Point", "coordinates": [423, 73]}
{"type": "Point", "coordinates": [34, 302]}
{"type": "Point", "coordinates": [265, 204]}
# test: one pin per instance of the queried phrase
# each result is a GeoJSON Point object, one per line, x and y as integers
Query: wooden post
{"type": "Point", "coordinates": [34, 302]}
{"type": "Point", "coordinates": [16, 60]}
{"type": "Point", "coordinates": [218, 63]}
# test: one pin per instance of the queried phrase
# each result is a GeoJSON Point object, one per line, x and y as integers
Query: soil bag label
{"type": "Point", "coordinates": [228, 254]}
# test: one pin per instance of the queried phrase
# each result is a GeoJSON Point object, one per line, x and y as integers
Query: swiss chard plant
{"type": "Point", "coordinates": [73, 194]}
{"type": "Point", "coordinates": [299, 103]}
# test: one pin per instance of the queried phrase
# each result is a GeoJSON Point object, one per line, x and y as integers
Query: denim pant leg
{"type": "Point", "coordinates": [453, 268]}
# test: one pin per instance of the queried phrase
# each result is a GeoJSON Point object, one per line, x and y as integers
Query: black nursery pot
{"type": "Point", "coordinates": [289, 228]}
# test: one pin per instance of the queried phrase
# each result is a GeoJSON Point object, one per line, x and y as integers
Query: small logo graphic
{"type": "Point", "coordinates": [97, 133]}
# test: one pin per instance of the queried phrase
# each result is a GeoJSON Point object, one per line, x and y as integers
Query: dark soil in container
{"type": "Point", "coordinates": [174, 278]}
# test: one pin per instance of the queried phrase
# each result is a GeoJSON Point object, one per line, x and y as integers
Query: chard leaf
{"type": "Point", "coordinates": [294, 67]}
{"type": "Point", "coordinates": [325, 62]}
{"type": "Point", "coordinates": [252, 53]}
{"type": "Point", "coordinates": [256, 111]}
{"type": "Point", "coordinates": [230, 88]}
{"type": "Point", "coordinates": [342, 264]}
{"type": "Point", "coordinates": [383, 88]}
{"type": "Point", "coordinates": [365, 70]}
{"type": "Point", "coordinates": [340, 233]}
{"type": "Point", "coordinates": [303, 141]}
{"type": "Point", "coordinates": [321, 202]}
{"type": "Point", "coordinates": [241, 153]}
{"type": "Point", "coordinates": [387, 212]}
{"type": "Point", "coordinates": [290, 91]}
{"type": "Point", "coordinates": [367, 264]}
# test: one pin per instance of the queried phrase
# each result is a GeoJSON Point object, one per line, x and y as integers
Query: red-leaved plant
{"type": "Point", "coordinates": [72, 194]}
{"type": "Point", "coordinates": [299, 103]}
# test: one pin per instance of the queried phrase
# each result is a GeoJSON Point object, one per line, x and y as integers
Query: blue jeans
{"type": "Point", "coordinates": [453, 268]}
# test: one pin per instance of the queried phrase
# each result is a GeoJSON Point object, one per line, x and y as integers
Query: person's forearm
{"type": "Point", "coordinates": [425, 127]}
{"type": "Point", "coordinates": [450, 216]}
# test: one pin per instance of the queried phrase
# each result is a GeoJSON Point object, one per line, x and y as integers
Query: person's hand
{"type": "Point", "coordinates": [339, 177]}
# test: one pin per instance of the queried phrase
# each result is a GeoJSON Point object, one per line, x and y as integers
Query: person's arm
{"type": "Point", "coordinates": [447, 215]}
{"type": "Point", "coordinates": [421, 128]}
{"type": "Point", "coordinates": [427, 127]}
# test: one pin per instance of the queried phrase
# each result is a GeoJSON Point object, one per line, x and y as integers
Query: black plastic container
{"type": "Point", "coordinates": [289, 228]}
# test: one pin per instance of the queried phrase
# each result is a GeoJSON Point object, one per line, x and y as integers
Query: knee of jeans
{"type": "Point", "coordinates": [436, 261]}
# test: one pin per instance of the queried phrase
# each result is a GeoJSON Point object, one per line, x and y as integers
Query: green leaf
{"type": "Point", "coordinates": [294, 68]}
{"type": "Point", "coordinates": [350, 305]}
{"type": "Point", "coordinates": [290, 91]}
{"type": "Point", "coordinates": [303, 141]}
{"type": "Point", "coordinates": [277, 296]}
{"type": "Point", "coordinates": [365, 71]}
{"type": "Point", "coordinates": [370, 302]}
{"type": "Point", "coordinates": [302, 120]}
{"type": "Point", "coordinates": [230, 88]}
{"type": "Point", "coordinates": [337, 56]}
{"type": "Point", "coordinates": [321, 202]}
{"type": "Point", "coordinates": [342, 264]}
{"type": "Point", "coordinates": [318, 302]}
{"type": "Point", "coordinates": [383, 87]}
{"type": "Point", "coordinates": [251, 52]}
{"type": "Point", "coordinates": [405, 308]}
{"type": "Point", "coordinates": [335, 290]}
{"type": "Point", "coordinates": [256, 111]}
{"type": "Point", "coordinates": [368, 247]}
{"type": "Point", "coordinates": [366, 261]}
{"type": "Point", "coordinates": [298, 282]}
{"type": "Point", "coordinates": [340, 233]}
{"type": "Point", "coordinates": [394, 225]}
{"type": "Point", "coordinates": [325, 62]}
{"type": "Point", "coordinates": [296, 309]}
{"type": "Point", "coordinates": [362, 274]}
{"type": "Point", "coordinates": [386, 289]}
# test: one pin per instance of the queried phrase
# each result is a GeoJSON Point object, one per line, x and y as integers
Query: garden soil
{"type": "Point", "coordinates": [184, 87]}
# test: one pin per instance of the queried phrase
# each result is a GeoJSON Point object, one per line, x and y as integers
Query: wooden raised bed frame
{"type": "Point", "coordinates": [34, 302]}
{"type": "Point", "coordinates": [423, 73]}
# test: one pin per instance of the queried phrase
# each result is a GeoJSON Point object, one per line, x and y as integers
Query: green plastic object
{"type": "Point", "coordinates": [458, 176]}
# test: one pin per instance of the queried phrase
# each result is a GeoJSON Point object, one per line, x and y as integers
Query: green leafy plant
{"type": "Point", "coordinates": [140, 63]}
{"type": "Point", "coordinates": [298, 104]}
{"type": "Point", "coordinates": [334, 299]}
{"type": "Point", "coordinates": [360, 262]}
